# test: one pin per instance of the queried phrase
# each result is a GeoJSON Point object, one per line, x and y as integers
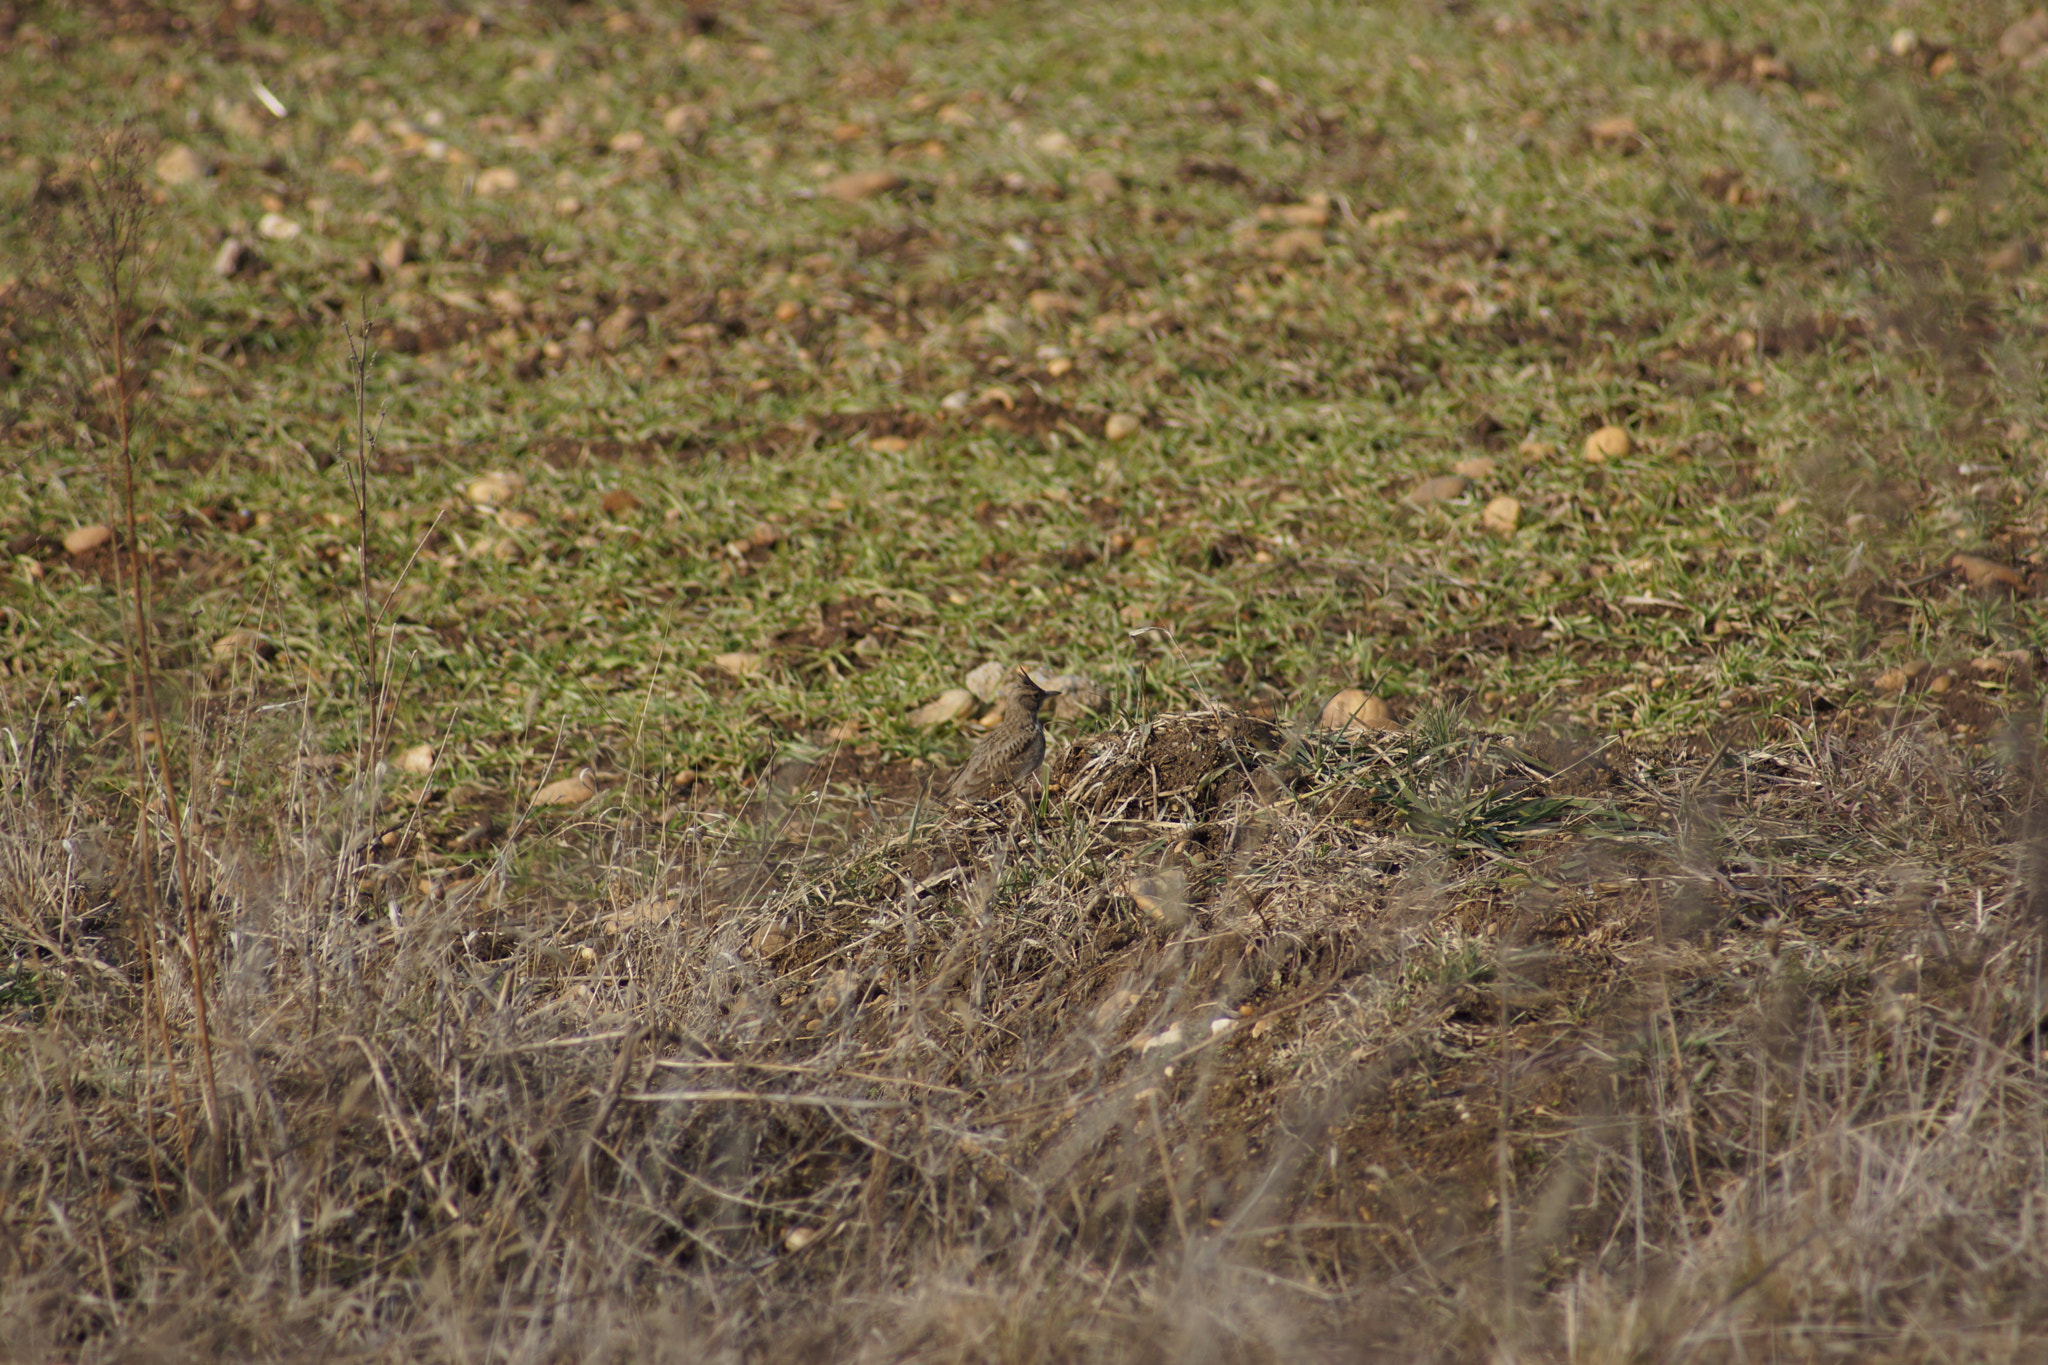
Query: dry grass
{"type": "Point", "coordinates": [1687, 1083]}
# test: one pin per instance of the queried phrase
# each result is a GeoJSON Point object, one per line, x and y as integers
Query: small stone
{"type": "Point", "coordinates": [86, 539]}
{"type": "Point", "coordinates": [276, 227]}
{"type": "Point", "coordinates": [739, 664]}
{"type": "Point", "coordinates": [1296, 244]}
{"type": "Point", "coordinates": [1618, 130]}
{"type": "Point", "coordinates": [950, 705]}
{"type": "Point", "coordinates": [2012, 258]}
{"type": "Point", "coordinates": [395, 252]}
{"type": "Point", "coordinates": [1980, 572]}
{"type": "Point", "coordinates": [1163, 896]}
{"type": "Point", "coordinates": [570, 791]}
{"type": "Point", "coordinates": [986, 680]}
{"type": "Point", "coordinates": [856, 186]}
{"type": "Point", "coordinates": [613, 331]}
{"type": "Point", "coordinates": [496, 488]}
{"type": "Point", "coordinates": [1312, 212]}
{"type": "Point", "coordinates": [2024, 38]}
{"type": "Point", "coordinates": [1608, 443]}
{"type": "Point", "coordinates": [496, 180]}
{"type": "Point", "coordinates": [1501, 515]}
{"type": "Point", "coordinates": [232, 258]}
{"type": "Point", "coordinates": [418, 759]}
{"type": "Point", "coordinates": [1442, 488]}
{"type": "Point", "coordinates": [1079, 695]}
{"type": "Point", "coordinates": [1102, 185]}
{"type": "Point", "coordinates": [1475, 468]}
{"type": "Point", "coordinates": [241, 642]}
{"type": "Point", "coordinates": [1121, 425]}
{"type": "Point", "coordinates": [180, 165]}
{"type": "Point", "coordinates": [1356, 711]}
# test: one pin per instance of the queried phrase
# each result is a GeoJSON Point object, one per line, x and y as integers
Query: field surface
{"type": "Point", "coordinates": [512, 514]}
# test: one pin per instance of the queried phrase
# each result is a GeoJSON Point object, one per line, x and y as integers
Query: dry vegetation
{"type": "Point", "coordinates": [1658, 977]}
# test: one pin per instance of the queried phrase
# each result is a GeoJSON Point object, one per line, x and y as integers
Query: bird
{"type": "Point", "coordinates": [1005, 758]}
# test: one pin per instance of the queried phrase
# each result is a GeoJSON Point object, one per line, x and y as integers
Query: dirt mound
{"type": "Point", "coordinates": [1186, 766]}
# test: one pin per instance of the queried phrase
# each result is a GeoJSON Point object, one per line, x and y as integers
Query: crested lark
{"type": "Point", "coordinates": [1007, 756]}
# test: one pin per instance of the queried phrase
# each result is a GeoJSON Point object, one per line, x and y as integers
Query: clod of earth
{"type": "Point", "coordinates": [242, 642]}
{"type": "Point", "coordinates": [1501, 515]}
{"type": "Point", "coordinates": [858, 185]}
{"type": "Point", "coordinates": [86, 539]}
{"type": "Point", "coordinates": [1980, 572]}
{"type": "Point", "coordinates": [1357, 710]}
{"type": "Point", "coordinates": [569, 791]}
{"type": "Point", "coordinates": [1442, 488]}
{"type": "Point", "coordinates": [180, 165]}
{"type": "Point", "coordinates": [1608, 443]}
{"type": "Point", "coordinates": [495, 489]}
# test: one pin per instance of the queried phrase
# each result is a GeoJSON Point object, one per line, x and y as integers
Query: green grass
{"type": "Point", "coordinates": [1540, 285]}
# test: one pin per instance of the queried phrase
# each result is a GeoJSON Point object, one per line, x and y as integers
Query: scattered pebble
{"type": "Point", "coordinates": [1296, 244]}
{"type": "Point", "coordinates": [496, 180]}
{"type": "Point", "coordinates": [740, 664]}
{"type": "Point", "coordinates": [1442, 488]}
{"type": "Point", "coordinates": [241, 642]}
{"type": "Point", "coordinates": [86, 539]}
{"type": "Point", "coordinates": [951, 705]}
{"type": "Point", "coordinates": [569, 791]}
{"type": "Point", "coordinates": [985, 680]}
{"type": "Point", "coordinates": [180, 165]}
{"type": "Point", "coordinates": [1980, 572]}
{"type": "Point", "coordinates": [1618, 130]}
{"type": "Point", "coordinates": [1162, 896]}
{"type": "Point", "coordinates": [1501, 515]}
{"type": "Point", "coordinates": [1102, 185]}
{"type": "Point", "coordinates": [231, 258]}
{"type": "Point", "coordinates": [613, 331]}
{"type": "Point", "coordinates": [1608, 443]}
{"type": "Point", "coordinates": [1121, 425]}
{"type": "Point", "coordinates": [418, 759]}
{"type": "Point", "coordinates": [496, 488]}
{"type": "Point", "coordinates": [858, 185]}
{"type": "Point", "coordinates": [1356, 711]}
